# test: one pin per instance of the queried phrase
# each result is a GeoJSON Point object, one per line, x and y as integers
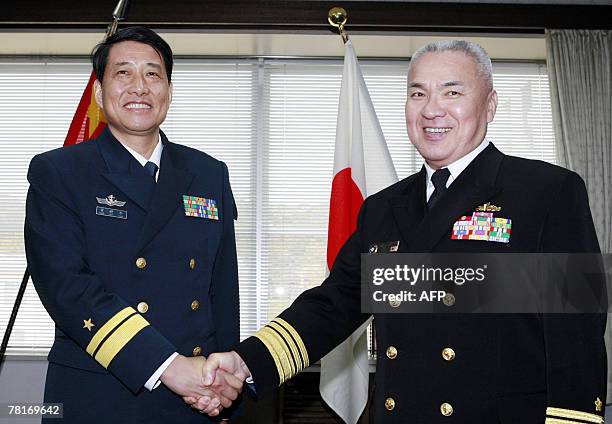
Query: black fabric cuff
{"type": "Point", "coordinates": [261, 364]}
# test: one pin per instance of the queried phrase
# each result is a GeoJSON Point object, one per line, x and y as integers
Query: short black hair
{"type": "Point", "coordinates": [99, 55]}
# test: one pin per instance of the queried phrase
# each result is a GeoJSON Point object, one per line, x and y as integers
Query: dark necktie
{"type": "Point", "coordinates": [151, 169]}
{"type": "Point", "coordinates": [439, 179]}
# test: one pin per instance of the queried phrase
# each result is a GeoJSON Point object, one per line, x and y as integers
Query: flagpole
{"type": "Point", "coordinates": [119, 14]}
{"type": "Point", "coordinates": [337, 18]}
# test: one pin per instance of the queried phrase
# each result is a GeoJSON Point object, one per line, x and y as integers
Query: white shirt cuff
{"type": "Point", "coordinates": [154, 382]}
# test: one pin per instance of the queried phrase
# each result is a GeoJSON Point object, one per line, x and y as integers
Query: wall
{"type": "Point", "coordinates": [22, 379]}
{"type": "Point", "coordinates": [255, 44]}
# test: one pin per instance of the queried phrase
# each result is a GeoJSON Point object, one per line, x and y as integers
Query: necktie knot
{"type": "Point", "coordinates": [439, 178]}
{"type": "Point", "coordinates": [151, 169]}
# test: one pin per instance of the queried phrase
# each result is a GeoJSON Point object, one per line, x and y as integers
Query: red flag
{"type": "Point", "coordinates": [89, 120]}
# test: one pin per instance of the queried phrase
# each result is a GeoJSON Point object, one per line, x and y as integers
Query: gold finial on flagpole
{"type": "Point", "coordinates": [119, 14]}
{"type": "Point", "coordinates": [337, 17]}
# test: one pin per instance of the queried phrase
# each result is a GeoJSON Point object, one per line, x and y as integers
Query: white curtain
{"type": "Point", "coordinates": [580, 72]}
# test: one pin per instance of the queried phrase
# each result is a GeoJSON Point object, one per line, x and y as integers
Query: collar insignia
{"type": "Point", "coordinates": [386, 247]}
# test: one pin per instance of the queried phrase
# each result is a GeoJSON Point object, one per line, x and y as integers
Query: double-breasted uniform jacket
{"type": "Point", "coordinates": [127, 276]}
{"type": "Point", "coordinates": [457, 368]}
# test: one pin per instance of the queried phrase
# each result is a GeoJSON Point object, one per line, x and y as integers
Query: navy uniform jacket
{"type": "Point", "coordinates": [457, 368]}
{"type": "Point", "coordinates": [127, 277]}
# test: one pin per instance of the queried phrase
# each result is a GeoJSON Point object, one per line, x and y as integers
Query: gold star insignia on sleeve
{"type": "Point", "coordinates": [598, 405]}
{"type": "Point", "coordinates": [88, 324]}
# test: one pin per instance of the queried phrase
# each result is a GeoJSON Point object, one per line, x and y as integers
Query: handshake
{"type": "Point", "coordinates": [208, 385]}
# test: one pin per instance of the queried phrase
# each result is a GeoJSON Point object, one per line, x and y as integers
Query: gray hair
{"type": "Point", "coordinates": [473, 50]}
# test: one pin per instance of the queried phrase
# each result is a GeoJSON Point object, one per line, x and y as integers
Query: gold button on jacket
{"type": "Point", "coordinates": [142, 307]}
{"type": "Point", "coordinates": [389, 404]}
{"type": "Point", "coordinates": [197, 351]}
{"type": "Point", "coordinates": [391, 352]}
{"type": "Point", "coordinates": [395, 303]}
{"type": "Point", "coordinates": [449, 299]}
{"type": "Point", "coordinates": [141, 262]}
{"type": "Point", "coordinates": [446, 409]}
{"type": "Point", "coordinates": [448, 354]}
{"type": "Point", "coordinates": [195, 305]}
{"type": "Point", "coordinates": [192, 263]}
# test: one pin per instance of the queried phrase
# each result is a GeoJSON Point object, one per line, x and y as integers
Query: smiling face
{"type": "Point", "coordinates": [135, 93]}
{"type": "Point", "coordinates": [448, 107]}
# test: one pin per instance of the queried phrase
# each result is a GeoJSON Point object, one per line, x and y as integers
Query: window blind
{"type": "Point", "coordinates": [37, 101]}
{"type": "Point", "coordinates": [273, 122]}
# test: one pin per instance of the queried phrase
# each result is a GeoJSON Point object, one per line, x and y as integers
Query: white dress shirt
{"type": "Point", "coordinates": [155, 156]}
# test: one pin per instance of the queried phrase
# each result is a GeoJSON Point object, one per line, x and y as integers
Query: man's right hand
{"type": "Point", "coordinates": [227, 361]}
{"type": "Point", "coordinates": [219, 369]}
{"type": "Point", "coordinates": [185, 377]}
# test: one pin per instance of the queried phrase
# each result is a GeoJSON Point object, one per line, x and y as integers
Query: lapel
{"type": "Point", "coordinates": [173, 180]}
{"type": "Point", "coordinates": [123, 171]}
{"type": "Point", "coordinates": [408, 209]}
{"type": "Point", "coordinates": [475, 185]}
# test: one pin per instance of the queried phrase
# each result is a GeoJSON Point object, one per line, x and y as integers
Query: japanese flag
{"type": "Point", "coordinates": [362, 166]}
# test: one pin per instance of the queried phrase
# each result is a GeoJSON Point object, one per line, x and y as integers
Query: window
{"type": "Point", "coordinates": [273, 123]}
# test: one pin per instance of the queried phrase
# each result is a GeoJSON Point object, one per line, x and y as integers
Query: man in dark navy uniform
{"type": "Point", "coordinates": [452, 368]}
{"type": "Point", "coordinates": [130, 243]}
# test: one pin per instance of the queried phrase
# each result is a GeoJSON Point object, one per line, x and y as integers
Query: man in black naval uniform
{"type": "Point", "coordinates": [452, 368]}
{"type": "Point", "coordinates": [130, 243]}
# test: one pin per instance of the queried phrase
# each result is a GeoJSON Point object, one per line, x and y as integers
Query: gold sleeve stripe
{"type": "Point", "coordinates": [295, 355]}
{"type": "Point", "coordinates": [272, 350]}
{"type": "Point", "coordinates": [285, 346]}
{"type": "Point", "coordinates": [560, 421]}
{"type": "Point", "coordinates": [121, 337]}
{"type": "Point", "coordinates": [281, 350]}
{"type": "Point", "coordinates": [296, 337]}
{"type": "Point", "coordinates": [290, 363]}
{"type": "Point", "coordinates": [284, 353]}
{"type": "Point", "coordinates": [277, 349]}
{"type": "Point", "coordinates": [292, 343]}
{"type": "Point", "coordinates": [574, 415]}
{"type": "Point", "coordinates": [107, 328]}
